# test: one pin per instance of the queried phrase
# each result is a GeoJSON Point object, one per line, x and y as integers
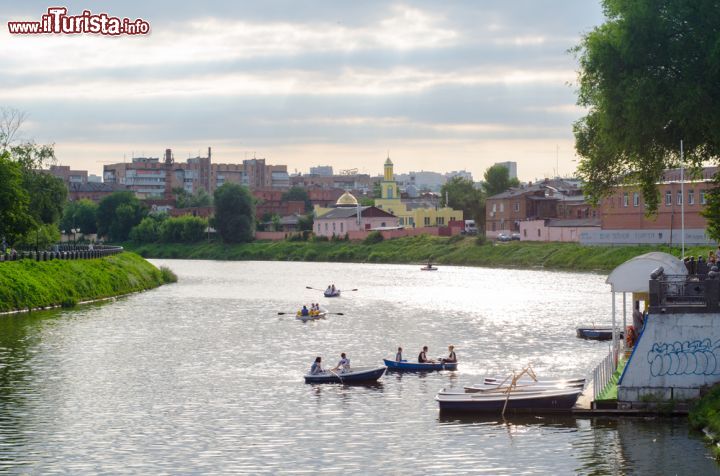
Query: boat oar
{"type": "Point", "coordinates": [333, 372]}
{"type": "Point", "coordinates": [316, 289]}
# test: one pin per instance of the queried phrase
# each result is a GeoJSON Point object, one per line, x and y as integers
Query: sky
{"type": "Point", "coordinates": [438, 86]}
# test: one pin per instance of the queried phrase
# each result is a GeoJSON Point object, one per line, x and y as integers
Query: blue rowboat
{"type": "Point", "coordinates": [596, 333]}
{"type": "Point", "coordinates": [357, 375]}
{"type": "Point", "coordinates": [405, 366]}
{"type": "Point", "coordinates": [329, 294]}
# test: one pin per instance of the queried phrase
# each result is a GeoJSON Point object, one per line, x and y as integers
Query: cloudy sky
{"type": "Point", "coordinates": [440, 85]}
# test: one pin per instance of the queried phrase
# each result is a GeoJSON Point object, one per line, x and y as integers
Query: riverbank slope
{"type": "Point", "coordinates": [31, 284]}
{"type": "Point", "coordinates": [458, 250]}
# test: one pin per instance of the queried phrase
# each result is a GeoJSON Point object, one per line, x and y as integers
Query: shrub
{"type": "Point", "coordinates": [147, 231]}
{"type": "Point", "coordinates": [480, 240]}
{"type": "Point", "coordinates": [455, 239]}
{"type": "Point", "coordinates": [373, 238]}
{"type": "Point", "coordinates": [167, 275]}
{"type": "Point", "coordinates": [184, 229]}
{"type": "Point", "coordinates": [316, 238]}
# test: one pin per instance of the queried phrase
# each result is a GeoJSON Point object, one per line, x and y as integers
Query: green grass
{"type": "Point", "coordinates": [705, 413]}
{"type": "Point", "coordinates": [463, 251]}
{"type": "Point", "coordinates": [610, 390]}
{"type": "Point", "coordinates": [30, 284]}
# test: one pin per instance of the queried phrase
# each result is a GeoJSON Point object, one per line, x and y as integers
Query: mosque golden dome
{"type": "Point", "coordinates": [346, 200]}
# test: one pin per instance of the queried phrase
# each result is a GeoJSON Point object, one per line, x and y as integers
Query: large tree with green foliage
{"type": "Point", "coordinates": [649, 77]}
{"type": "Point", "coordinates": [234, 213]}
{"type": "Point", "coordinates": [462, 195]}
{"type": "Point", "coordinates": [15, 218]}
{"type": "Point", "coordinates": [80, 214]}
{"type": "Point", "coordinates": [497, 180]}
{"type": "Point", "coordinates": [117, 214]}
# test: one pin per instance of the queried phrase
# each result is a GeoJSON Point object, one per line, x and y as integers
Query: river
{"type": "Point", "coordinates": [204, 376]}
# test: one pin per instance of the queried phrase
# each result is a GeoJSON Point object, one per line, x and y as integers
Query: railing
{"type": "Point", "coordinates": [62, 252]}
{"type": "Point", "coordinates": [684, 293]}
{"type": "Point", "coordinates": [605, 369]}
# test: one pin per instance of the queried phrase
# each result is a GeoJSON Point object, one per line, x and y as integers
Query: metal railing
{"type": "Point", "coordinates": [605, 369]}
{"type": "Point", "coordinates": [62, 252]}
{"type": "Point", "coordinates": [684, 293]}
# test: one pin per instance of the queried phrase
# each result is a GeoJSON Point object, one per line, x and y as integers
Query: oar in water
{"type": "Point", "coordinates": [323, 290]}
{"type": "Point", "coordinates": [338, 376]}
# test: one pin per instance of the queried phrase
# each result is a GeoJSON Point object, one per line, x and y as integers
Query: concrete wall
{"type": "Point", "coordinates": [638, 236]}
{"type": "Point", "coordinates": [535, 230]}
{"type": "Point", "coordinates": [675, 356]}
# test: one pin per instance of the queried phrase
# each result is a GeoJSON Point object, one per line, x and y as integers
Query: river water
{"type": "Point", "coordinates": [204, 376]}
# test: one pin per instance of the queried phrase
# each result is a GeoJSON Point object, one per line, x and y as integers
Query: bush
{"type": "Point", "coordinates": [167, 275]}
{"type": "Point", "coordinates": [184, 229]}
{"type": "Point", "coordinates": [148, 231]}
{"type": "Point", "coordinates": [480, 240]}
{"type": "Point", "coordinates": [316, 238]}
{"type": "Point", "coordinates": [455, 239]}
{"type": "Point", "coordinates": [373, 238]}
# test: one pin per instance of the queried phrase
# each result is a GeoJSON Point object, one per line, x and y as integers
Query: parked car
{"type": "Point", "coordinates": [503, 237]}
{"type": "Point", "coordinates": [515, 236]}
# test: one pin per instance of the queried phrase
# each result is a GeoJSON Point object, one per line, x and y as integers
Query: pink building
{"type": "Point", "coordinates": [557, 229]}
{"type": "Point", "coordinates": [341, 220]}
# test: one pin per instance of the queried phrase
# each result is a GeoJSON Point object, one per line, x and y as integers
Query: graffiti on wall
{"type": "Point", "coordinates": [697, 357]}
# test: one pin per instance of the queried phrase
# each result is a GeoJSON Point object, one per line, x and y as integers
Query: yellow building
{"type": "Point", "coordinates": [412, 212]}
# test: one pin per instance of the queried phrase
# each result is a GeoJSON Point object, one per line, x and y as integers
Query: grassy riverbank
{"type": "Point", "coordinates": [31, 284]}
{"type": "Point", "coordinates": [458, 250]}
{"type": "Point", "coordinates": [706, 415]}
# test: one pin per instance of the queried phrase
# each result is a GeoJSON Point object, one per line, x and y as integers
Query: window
{"type": "Point", "coordinates": [502, 207]}
{"type": "Point", "coordinates": [383, 224]}
{"type": "Point", "coordinates": [427, 221]}
{"type": "Point", "coordinates": [538, 232]}
{"type": "Point", "coordinates": [636, 199]}
{"type": "Point", "coordinates": [333, 226]}
{"type": "Point", "coordinates": [625, 199]}
{"type": "Point", "coordinates": [668, 198]}
{"type": "Point", "coordinates": [440, 220]}
{"type": "Point", "coordinates": [401, 221]}
{"type": "Point", "coordinates": [679, 197]}
{"type": "Point", "coordinates": [702, 197]}
{"type": "Point", "coordinates": [326, 227]}
{"type": "Point", "coordinates": [525, 232]}
{"type": "Point", "coordinates": [494, 209]}
{"type": "Point", "coordinates": [341, 227]}
{"type": "Point", "coordinates": [516, 206]}
{"type": "Point", "coordinates": [389, 192]}
{"type": "Point", "coordinates": [318, 227]}
{"type": "Point", "coordinates": [691, 197]}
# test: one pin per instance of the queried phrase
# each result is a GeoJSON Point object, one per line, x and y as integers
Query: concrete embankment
{"type": "Point", "coordinates": [28, 284]}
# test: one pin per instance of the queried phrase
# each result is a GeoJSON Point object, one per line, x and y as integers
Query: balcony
{"type": "Point", "coordinates": [675, 294]}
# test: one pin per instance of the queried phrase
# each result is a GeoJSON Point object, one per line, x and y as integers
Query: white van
{"type": "Point", "coordinates": [470, 228]}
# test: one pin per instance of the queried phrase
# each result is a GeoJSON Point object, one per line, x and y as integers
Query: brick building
{"type": "Point", "coordinates": [624, 220]}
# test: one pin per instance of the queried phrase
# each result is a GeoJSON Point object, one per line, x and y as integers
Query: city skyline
{"type": "Point", "coordinates": [441, 87]}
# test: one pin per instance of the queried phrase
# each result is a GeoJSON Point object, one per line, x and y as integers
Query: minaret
{"type": "Point", "coordinates": [388, 186]}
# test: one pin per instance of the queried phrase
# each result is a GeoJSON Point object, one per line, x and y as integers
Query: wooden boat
{"type": "Point", "coordinates": [428, 268]}
{"type": "Point", "coordinates": [517, 401]}
{"type": "Point", "coordinates": [597, 333]}
{"type": "Point", "coordinates": [405, 366]}
{"type": "Point", "coordinates": [329, 294]}
{"type": "Point", "coordinates": [311, 317]}
{"type": "Point", "coordinates": [525, 380]}
{"type": "Point", "coordinates": [355, 376]}
{"type": "Point", "coordinates": [520, 387]}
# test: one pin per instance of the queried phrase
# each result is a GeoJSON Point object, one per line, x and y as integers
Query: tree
{"type": "Point", "coordinates": [234, 213]}
{"type": "Point", "coordinates": [147, 231]}
{"type": "Point", "coordinates": [80, 214]}
{"type": "Point", "coordinates": [497, 180]}
{"type": "Point", "coordinates": [15, 218]}
{"type": "Point", "coordinates": [649, 78]}
{"type": "Point", "coordinates": [462, 195]}
{"type": "Point", "coordinates": [305, 222]}
{"type": "Point", "coordinates": [298, 194]}
{"type": "Point", "coordinates": [183, 199]}
{"type": "Point", "coordinates": [275, 219]}
{"type": "Point", "coordinates": [117, 214]}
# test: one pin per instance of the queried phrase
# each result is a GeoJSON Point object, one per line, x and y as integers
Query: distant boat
{"type": "Point", "coordinates": [357, 375]}
{"type": "Point", "coordinates": [429, 268]}
{"type": "Point", "coordinates": [596, 333]}
{"type": "Point", "coordinates": [494, 403]}
{"type": "Point", "coordinates": [521, 387]}
{"type": "Point", "coordinates": [328, 293]}
{"type": "Point", "coordinates": [405, 366]}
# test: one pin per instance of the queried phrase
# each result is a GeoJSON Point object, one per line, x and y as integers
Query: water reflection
{"type": "Point", "coordinates": [204, 376]}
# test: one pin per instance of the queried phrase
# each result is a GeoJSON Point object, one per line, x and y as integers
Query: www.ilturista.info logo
{"type": "Point", "coordinates": [57, 21]}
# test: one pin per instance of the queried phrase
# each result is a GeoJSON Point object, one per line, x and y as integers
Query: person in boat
{"type": "Point", "coordinates": [304, 311]}
{"type": "Point", "coordinates": [451, 358]}
{"type": "Point", "coordinates": [333, 289]}
{"type": "Point", "coordinates": [316, 367]}
{"type": "Point", "coordinates": [398, 356]}
{"type": "Point", "coordinates": [422, 356]}
{"type": "Point", "coordinates": [344, 363]}
{"type": "Point", "coordinates": [329, 290]}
